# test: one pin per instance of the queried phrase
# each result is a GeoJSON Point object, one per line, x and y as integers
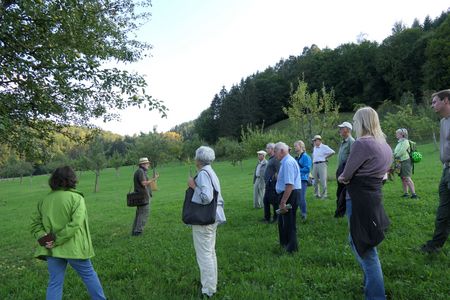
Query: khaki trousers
{"type": "Point", "coordinates": [205, 250]}
{"type": "Point", "coordinates": [320, 175]}
{"type": "Point", "coordinates": [258, 192]}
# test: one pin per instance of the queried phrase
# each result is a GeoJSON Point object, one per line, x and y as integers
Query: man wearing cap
{"type": "Point", "coordinates": [258, 180]}
{"type": "Point", "coordinates": [321, 153]}
{"type": "Point", "coordinates": [441, 105]}
{"type": "Point", "coordinates": [142, 185]}
{"type": "Point", "coordinates": [345, 131]}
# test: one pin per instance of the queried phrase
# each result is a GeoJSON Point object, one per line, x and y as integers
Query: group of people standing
{"type": "Point", "coordinates": [60, 224]}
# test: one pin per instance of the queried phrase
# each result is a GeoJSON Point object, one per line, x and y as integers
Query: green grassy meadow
{"type": "Point", "coordinates": [161, 264]}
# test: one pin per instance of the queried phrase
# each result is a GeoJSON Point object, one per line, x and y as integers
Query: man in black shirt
{"type": "Point", "coordinates": [270, 178]}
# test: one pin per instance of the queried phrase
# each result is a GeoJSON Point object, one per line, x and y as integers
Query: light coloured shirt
{"type": "Point", "coordinates": [401, 150]}
{"type": "Point", "coordinates": [258, 167]}
{"type": "Point", "coordinates": [289, 174]}
{"type": "Point", "coordinates": [206, 182]}
{"type": "Point", "coordinates": [321, 153]}
{"type": "Point", "coordinates": [445, 140]}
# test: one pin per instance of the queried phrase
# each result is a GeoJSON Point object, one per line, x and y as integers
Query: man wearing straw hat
{"type": "Point", "coordinates": [321, 153]}
{"type": "Point", "coordinates": [142, 185]}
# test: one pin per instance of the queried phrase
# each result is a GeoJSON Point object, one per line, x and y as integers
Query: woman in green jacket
{"type": "Point", "coordinates": [61, 227]}
{"type": "Point", "coordinates": [401, 153]}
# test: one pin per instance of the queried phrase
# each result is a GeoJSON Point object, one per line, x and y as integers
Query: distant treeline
{"type": "Point", "coordinates": [413, 60]}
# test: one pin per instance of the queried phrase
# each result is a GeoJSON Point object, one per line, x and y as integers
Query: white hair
{"type": "Point", "coordinates": [403, 132]}
{"type": "Point", "coordinates": [270, 146]}
{"type": "Point", "coordinates": [281, 146]}
{"type": "Point", "coordinates": [205, 155]}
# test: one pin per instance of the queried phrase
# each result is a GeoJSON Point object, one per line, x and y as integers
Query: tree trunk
{"type": "Point", "coordinates": [97, 174]}
{"type": "Point", "coordinates": [436, 146]}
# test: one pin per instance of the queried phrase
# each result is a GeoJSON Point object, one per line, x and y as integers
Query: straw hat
{"type": "Point", "coordinates": [143, 160]}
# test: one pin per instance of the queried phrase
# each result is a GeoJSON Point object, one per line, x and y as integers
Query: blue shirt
{"type": "Point", "coordinates": [289, 174]}
{"type": "Point", "coordinates": [304, 162]}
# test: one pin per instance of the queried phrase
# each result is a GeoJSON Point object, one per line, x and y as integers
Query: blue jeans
{"type": "Point", "coordinates": [57, 269]}
{"type": "Point", "coordinates": [370, 264]}
{"type": "Point", "coordinates": [302, 200]}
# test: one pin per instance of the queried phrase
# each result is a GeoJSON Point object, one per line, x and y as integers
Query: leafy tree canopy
{"type": "Point", "coordinates": [53, 65]}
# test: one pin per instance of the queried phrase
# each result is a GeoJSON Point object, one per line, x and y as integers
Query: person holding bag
{"type": "Point", "coordinates": [60, 225]}
{"type": "Point", "coordinates": [142, 187]}
{"type": "Point", "coordinates": [205, 184]}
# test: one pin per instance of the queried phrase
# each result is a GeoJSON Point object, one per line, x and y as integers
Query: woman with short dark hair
{"type": "Point", "coordinates": [61, 227]}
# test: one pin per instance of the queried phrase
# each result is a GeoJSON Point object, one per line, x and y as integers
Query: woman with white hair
{"type": "Point", "coordinates": [401, 153]}
{"type": "Point", "coordinates": [369, 160]}
{"type": "Point", "coordinates": [204, 236]}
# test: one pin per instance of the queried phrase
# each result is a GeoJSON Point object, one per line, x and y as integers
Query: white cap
{"type": "Point", "coordinates": [262, 152]}
{"type": "Point", "coordinates": [345, 124]}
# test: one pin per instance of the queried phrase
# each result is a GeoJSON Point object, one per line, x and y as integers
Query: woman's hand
{"type": "Point", "coordinates": [191, 183]}
{"type": "Point", "coordinates": [49, 245]}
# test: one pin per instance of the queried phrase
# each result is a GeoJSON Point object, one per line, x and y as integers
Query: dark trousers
{"type": "Point", "coordinates": [442, 223]}
{"type": "Point", "coordinates": [287, 228]}
{"type": "Point", "coordinates": [340, 206]}
{"type": "Point", "coordinates": [270, 199]}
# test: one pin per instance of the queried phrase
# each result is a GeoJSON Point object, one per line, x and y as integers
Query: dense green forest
{"type": "Point", "coordinates": [413, 60]}
{"type": "Point", "coordinates": [397, 77]}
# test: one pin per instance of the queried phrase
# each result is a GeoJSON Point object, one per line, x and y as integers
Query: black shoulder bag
{"type": "Point", "coordinates": [199, 214]}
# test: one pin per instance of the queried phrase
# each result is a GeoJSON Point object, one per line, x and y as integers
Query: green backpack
{"type": "Point", "coordinates": [414, 155]}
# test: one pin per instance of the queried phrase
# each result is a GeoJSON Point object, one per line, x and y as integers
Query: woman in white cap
{"type": "Point", "coordinates": [259, 185]}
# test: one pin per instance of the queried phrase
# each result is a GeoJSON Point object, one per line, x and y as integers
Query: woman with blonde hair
{"type": "Point", "coordinates": [401, 153]}
{"type": "Point", "coordinates": [368, 162]}
{"type": "Point", "coordinates": [304, 163]}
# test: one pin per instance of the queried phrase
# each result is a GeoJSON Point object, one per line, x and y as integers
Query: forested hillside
{"type": "Point", "coordinates": [413, 60]}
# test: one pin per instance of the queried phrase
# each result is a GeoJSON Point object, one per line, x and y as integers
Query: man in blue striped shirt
{"type": "Point", "coordinates": [288, 189]}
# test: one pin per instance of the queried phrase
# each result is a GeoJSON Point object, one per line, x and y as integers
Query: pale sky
{"type": "Point", "coordinates": [201, 45]}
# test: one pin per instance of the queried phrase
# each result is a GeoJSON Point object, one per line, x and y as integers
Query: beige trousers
{"type": "Point", "coordinates": [320, 175]}
{"type": "Point", "coordinates": [258, 192]}
{"type": "Point", "coordinates": [205, 250]}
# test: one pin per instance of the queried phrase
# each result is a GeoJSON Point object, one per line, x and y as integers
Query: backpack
{"type": "Point", "coordinates": [414, 155]}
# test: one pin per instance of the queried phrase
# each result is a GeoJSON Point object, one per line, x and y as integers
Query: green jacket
{"type": "Point", "coordinates": [63, 212]}
{"type": "Point", "coordinates": [401, 150]}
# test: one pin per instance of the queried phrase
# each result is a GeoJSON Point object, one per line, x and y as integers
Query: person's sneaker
{"type": "Point", "coordinates": [414, 196]}
{"type": "Point", "coordinates": [303, 218]}
{"type": "Point", "coordinates": [136, 233]}
{"type": "Point", "coordinates": [264, 221]}
{"type": "Point", "coordinates": [429, 249]}
{"type": "Point", "coordinates": [405, 195]}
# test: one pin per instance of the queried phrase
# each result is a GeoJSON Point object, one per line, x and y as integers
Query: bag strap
{"type": "Point", "coordinates": [210, 178]}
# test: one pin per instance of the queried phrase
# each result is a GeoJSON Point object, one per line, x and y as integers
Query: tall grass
{"type": "Point", "coordinates": [161, 264]}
